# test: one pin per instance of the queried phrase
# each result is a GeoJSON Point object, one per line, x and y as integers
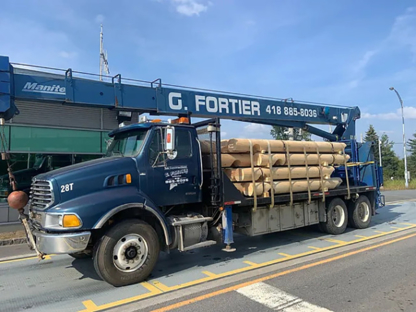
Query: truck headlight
{"type": "Point", "coordinates": [69, 221]}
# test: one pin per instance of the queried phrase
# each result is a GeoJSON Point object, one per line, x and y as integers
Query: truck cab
{"type": "Point", "coordinates": [149, 169]}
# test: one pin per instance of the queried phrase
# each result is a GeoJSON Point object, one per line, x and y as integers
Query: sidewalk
{"type": "Point", "coordinates": [11, 234]}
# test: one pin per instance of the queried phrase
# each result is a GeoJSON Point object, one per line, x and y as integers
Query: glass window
{"type": "Point", "coordinates": [156, 149]}
{"type": "Point", "coordinates": [127, 144]}
{"type": "Point", "coordinates": [183, 143]}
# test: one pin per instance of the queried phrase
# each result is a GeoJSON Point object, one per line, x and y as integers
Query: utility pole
{"type": "Point", "coordinates": [103, 56]}
{"type": "Point", "coordinates": [291, 133]}
{"type": "Point", "coordinates": [379, 151]}
{"type": "Point", "coordinates": [406, 176]}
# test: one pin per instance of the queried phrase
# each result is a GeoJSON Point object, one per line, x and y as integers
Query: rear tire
{"type": "Point", "coordinates": [359, 212]}
{"type": "Point", "coordinates": [337, 217]}
{"type": "Point", "coordinates": [127, 253]}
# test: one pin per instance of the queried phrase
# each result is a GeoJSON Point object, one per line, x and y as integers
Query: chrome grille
{"type": "Point", "coordinates": [41, 194]}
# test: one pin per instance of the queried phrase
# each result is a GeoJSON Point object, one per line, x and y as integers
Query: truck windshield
{"type": "Point", "coordinates": [127, 144]}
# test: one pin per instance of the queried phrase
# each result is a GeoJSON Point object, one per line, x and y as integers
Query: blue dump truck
{"type": "Point", "coordinates": [156, 190]}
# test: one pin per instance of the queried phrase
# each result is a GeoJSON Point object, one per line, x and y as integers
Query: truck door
{"type": "Point", "coordinates": [174, 181]}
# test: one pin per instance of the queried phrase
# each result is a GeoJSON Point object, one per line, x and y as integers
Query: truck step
{"type": "Point", "coordinates": [186, 221]}
{"type": "Point", "coordinates": [199, 245]}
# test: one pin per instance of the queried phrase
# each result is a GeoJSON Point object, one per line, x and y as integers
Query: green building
{"type": "Point", "coordinates": [46, 136]}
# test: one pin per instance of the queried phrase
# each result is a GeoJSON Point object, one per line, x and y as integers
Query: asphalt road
{"type": "Point", "coordinates": [61, 283]}
{"type": "Point", "coordinates": [379, 279]}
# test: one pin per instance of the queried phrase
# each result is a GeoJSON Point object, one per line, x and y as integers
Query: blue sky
{"type": "Point", "coordinates": [340, 52]}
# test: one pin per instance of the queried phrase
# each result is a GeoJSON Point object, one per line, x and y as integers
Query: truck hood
{"type": "Point", "coordinates": [90, 176]}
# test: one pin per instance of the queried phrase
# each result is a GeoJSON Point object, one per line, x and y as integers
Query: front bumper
{"type": "Point", "coordinates": [64, 243]}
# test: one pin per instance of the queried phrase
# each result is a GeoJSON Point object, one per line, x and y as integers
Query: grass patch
{"type": "Point", "coordinates": [395, 185]}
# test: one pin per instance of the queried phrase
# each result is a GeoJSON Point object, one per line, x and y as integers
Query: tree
{"type": "Point", "coordinates": [281, 133]}
{"type": "Point", "coordinates": [389, 158]}
{"type": "Point", "coordinates": [411, 143]}
{"type": "Point", "coordinates": [372, 136]}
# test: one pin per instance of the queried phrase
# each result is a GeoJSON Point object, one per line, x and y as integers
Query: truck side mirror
{"type": "Point", "coordinates": [169, 143]}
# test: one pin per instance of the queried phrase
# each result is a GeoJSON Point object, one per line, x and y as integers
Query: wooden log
{"type": "Point", "coordinates": [297, 173]}
{"type": "Point", "coordinates": [339, 159]}
{"type": "Point", "coordinates": [247, 189]}
{"type": "Point", "coordinates": [245, 174]}
{"type": "Point", "coordinates": [262, 160]}
{"type": "Point", "coordinates": [206, 146]}
{"type": "Point", "coordinates": [279, 173]}
{"type": "Point", "coordinates": [276, 146]}
{"type": "Point", "coordinates": [283, 187]}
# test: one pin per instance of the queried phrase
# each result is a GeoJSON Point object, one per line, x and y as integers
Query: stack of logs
{"type": "Point", "coordinates": [255, 166]}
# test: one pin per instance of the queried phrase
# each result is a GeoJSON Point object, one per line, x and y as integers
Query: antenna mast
{"type": "Point", "coordinates": [103, 56]}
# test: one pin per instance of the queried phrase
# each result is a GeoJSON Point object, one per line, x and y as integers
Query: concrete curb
{"type": "Point", "coordinates": [13, 241]}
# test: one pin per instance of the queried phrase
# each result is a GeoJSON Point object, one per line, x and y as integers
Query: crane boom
{"type": "Point", "coordinates": [156, 98]}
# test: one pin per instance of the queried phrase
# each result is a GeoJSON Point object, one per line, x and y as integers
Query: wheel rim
{"type": "Point", "coordinates": [130, 253]}
{"type": "Point", "coordinates": [363, 211]}
{"type": "Point", "coordinates": [338, 216]}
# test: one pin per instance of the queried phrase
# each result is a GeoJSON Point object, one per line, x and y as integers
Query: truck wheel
{"type": "Point", "coordinates": [359, 212]}
{"type": "Point", "coordinates": [337, 217]}
{"type": "Point", "coordinates": [127, 253]}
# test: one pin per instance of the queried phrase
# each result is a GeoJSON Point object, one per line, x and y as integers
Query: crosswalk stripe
{"type": "Point", "coordinates": [277, 299]}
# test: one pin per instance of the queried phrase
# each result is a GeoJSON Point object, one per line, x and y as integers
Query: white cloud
{"type": "Point", "coordinates": [69, 55]}
{"type": "Point", "coordinates": [402, 35]}
{"type": "Point", "coordinates": [409, 113]}
{"type": "Point", "coordinates": [48, 47]}
{"type": "Point", "coordinates": [189, 7]}
{"type": "Point", "coordinates": [99, 18]}
{"type": "Point", "coordinates": [255, 131]}
{"type": "Point", "coordinates": [365, 59]}
{"type": "Point", "coordinates": [403, 32]}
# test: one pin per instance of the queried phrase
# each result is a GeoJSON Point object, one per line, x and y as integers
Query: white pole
{"type": "Point", "coordinates": [101, 53]}
{"type": "Point", "coordinates": [406, 180]}
{"type": "Point", "coordinates": [379, 152]}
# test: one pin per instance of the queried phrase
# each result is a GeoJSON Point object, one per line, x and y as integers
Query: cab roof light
{"type": "Point", "coordinates": [180, 120]}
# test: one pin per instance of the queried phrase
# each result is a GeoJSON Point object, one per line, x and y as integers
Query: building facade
{"type": "Point", "coordinates": [51, 135]}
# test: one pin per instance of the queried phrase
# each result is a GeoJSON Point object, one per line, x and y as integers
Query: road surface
{"type": "Point", "coordinates": [379, 277]}
{"type": "Point", "coordinates": [61, 283]}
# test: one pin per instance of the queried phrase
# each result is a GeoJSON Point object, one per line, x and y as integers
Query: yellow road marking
{"type": "Point", "coordinates": [396, 227]}
{"type": "Point", "coordinates": [360, 236]}
{"type": "Point", "coordinates": [251, 263]}
{"type": "Point", "coordinates": [210, 274]}
{"type": "Point", "coordinates": [163, 288]}
{"type": "Point", "coordinates": [407, 223]}
{"type": "Point", "coordinates": [336, 241]}
{"type": "Point", "coordinates": [47, 257]}
{"type": "Point", "coordinates": [91, 306]}
{"type": "Point", "coordinates": [265, 278]}
{"type": "Point", "coordinates": [285, 255]}
{"type": "Point", "coordinates": [314, 248]}
{"type": "Point", "coordinates": [381, 232]}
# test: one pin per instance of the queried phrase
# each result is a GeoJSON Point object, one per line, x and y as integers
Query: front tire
{"type": "Point", "coordinates": [127, 253]}
{"type": "Point", "coordinates": [359, 212]}
{"type": "Point", "coordinates": [336, 217]}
